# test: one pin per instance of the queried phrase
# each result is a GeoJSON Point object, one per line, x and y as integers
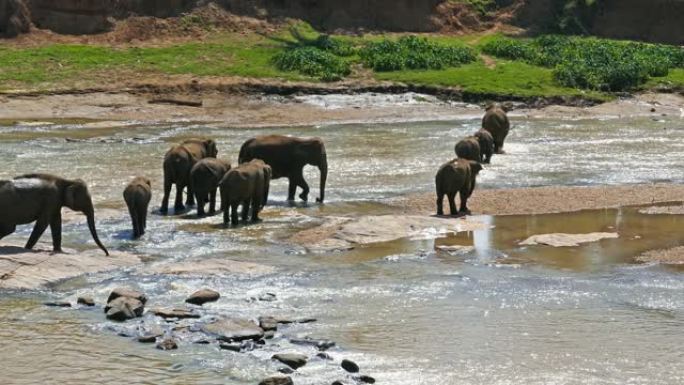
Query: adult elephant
{"type": "Point", "coordinates": [40, 198]}
{"type": "Point", "coordinates": [178, 163]}
{"type": "Point", "coordinates": [496, 122]}
{"type": "Point", "coordinates": [287, 156]}
{"type": "Point", "coordinates": [206, 176]}
{"type": "Point", "coordinates": [245, 185]}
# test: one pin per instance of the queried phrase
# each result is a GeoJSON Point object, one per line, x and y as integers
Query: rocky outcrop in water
{"type": "Point", "coordinates": [280, 380]}
{"type": "Point", "coordinates": [233, 329]}
{"type": "Point", "coordinates": [127, 292]}
{"type": "Point", "coordinates": [32, 269]}
{"type": "Point", "coordinates": [566, 240]}
{"type": "Point", "coordinates": [203, 296]}
{"type": "Point", "coordinates": [294, 361]}
{"type": "Point", "coordinates": [124, 308]}
{"type": "Point", "coordinates": [350, 366]}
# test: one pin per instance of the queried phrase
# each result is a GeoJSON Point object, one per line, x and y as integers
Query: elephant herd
{"type": "Point", "coordinates": [193, 166]}
{"type": "Point", "coordinates": [459, 175]}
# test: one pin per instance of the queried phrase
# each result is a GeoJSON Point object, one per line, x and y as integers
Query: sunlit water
{"type": "Point", "coordinates": [405, 311]}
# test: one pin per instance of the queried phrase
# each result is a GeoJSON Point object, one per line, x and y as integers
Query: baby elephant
{"type": "Point", "coordinates": [245, 185]}
{"type": "Point", "coordinates": [486, 141]}
{"type": "Point", "coordinates": [468, 148]}
{"type": "Point", "coordinates": [205, 177]}
{"type": "Point", "coordinates": [456, 176]}
{"type": "Point", "coordinates": [137, 196]}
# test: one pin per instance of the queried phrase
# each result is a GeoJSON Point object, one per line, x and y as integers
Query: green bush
{"type": "Point", "coordinates": [591, 63]}
{"type": "Point", "coordinates": [335, 46]}
{"type": "Point", "coordinates": [412, 52]}
{"type": "Point", "coordinates": [314, 62]}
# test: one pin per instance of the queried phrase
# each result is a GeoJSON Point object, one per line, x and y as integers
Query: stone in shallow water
{"type": "Point", "coordinates": [566, 240]}
{"type": "Point", "coordinates": [175, 313]}
{"type": "Point", "coordinates": [203, 296]}
{"type": "Point", "coordinates": [673, 256]}
{"type": "Point", "coordinates": [320, 344]}
{"type": "Point", "coordinates": [167, 344]}
{"type": "Point", "coordinates": [86, 300]}
{"type": "Point", "coordinates": [295, 361]}
{"type": "Point", "coordinates": [124, 308]}
{"type": "Point", "coordinates": [350, 366]}
{"type": "Point", "coordinates": [127, 292]}
{"type": "Point", "coordinates": [233, 329]}
{"type": "Point", "coordinates": [210, 266]}
{"type": "Point", "coordinates": [57, 304]}
{"type": "Point", "coordinates": [278, 380]}
{"type": "Point", "coordinates": [366, 379]}
{"type": "Point", "coordinates": [662, 210]}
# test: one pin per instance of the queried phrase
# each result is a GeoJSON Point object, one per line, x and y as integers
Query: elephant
{"type": "Point", "coordinates": [205, 177]}
{"type": "Point", "coordinates": [486, 141]}
{"type": "Point", "coordinates": [287, 156]}
{"type": "Point", "coordinates": [137, 196]}
{"type": "Point", "coordinates": [456, 176]}
{"type": "Point", "coordinates": [40, 198]}
{"type": "Point", "coordinates": [178, 163]}
{"type": "Point", "coordinates": [468, 148]}
{"type": "Point", "coordinates": [246, 184]}
{"type": "Point", "coordinates": [496, 122]}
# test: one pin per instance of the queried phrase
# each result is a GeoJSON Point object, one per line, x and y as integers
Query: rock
{"type": "Point", "coordinates": [349, 366]}
{"type": "Point", "coordinates": [203, 296]}
{"type": "Point", "coordinates": [320, 344]}
{"type": "Point", "coordinates": [673, 256]}
{"type": "Point", "coordinates": [295, 361]}
{"type": "Point", "coordinates": [269, 334]}
{"type": "Point", "coordinates": [366, 379]}
{"type": "Point", "coordinates": [566, 240]}
{"type": "Point", "coordinates": [660, 210]}
{"type": "Point", "coordinates": [231, 347]}
{"type": "Point", "coordinates": [279, 380]}
{"type": "Point", "coordinates": [127, 292]}
{"type": "Point", "coordinates": [167, 344]}
{"type": "Point", "coordinates": [33, 269]}
{"type": "Point", "coordinates": [456, 249]}
{"type": "Point", "coordinates": [124, 308]}
{"type": "Point", "coordinates": [286, 370]}
{"type": "Point", "coordinates": [148, 339]}
{"type": "Point", "coordinates": [347, 233]}
{"type": "Point", "coordinates": [57, 304]}
{"type": "Point", "coordinates": [268, 323]}
{"type": "Point", "coordinates": [86, 301]}
{"type": "Point", "coordinates": [324, 356]}
{"type": "Point", "coordinates": [202, 342]}
{"type": "Point", "coordinates": [233, 329]}
{"type": "Point", "coordinates": [175, 313]}
{"type": "Point", "coordinates": [211, 267]}
{"type": "Point", "coordinates": [337, 383]}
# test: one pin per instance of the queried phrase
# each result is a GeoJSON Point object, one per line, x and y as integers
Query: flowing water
{"type": "Point", "coordinates": [407, 311]}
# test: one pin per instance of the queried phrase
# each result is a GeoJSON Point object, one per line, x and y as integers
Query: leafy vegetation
{"type": "Point", "coordinates": [412, 52]}
{"type": "Point", "coordinates": [314, 62]}
{"type": "Point", "coordinates": [591, 63]}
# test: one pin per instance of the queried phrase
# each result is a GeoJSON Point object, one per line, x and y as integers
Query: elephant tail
{"type": "Point", "coordinates": [244, 156]}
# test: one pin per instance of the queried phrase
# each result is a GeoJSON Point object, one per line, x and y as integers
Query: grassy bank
{"type": "Point", "coordinates": [488, 65]}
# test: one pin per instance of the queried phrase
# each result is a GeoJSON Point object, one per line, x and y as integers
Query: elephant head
{"type": "Point", "coordinates": [211, 149]}
{"type": "Point", "coordinates": [316, 156]}
{"type": "Point", "coordinates": [77, 198]}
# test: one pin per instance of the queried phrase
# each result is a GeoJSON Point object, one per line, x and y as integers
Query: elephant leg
{"type": "Point", "coordinates": [178, 205]}
{"type": "Point", "coordinates": [226, 213]}
{"type": "Point", "coordinates": [56, 231]}
{"type": "Point", "coordinates": [190, 200]}
{"type": "Point", "coordinates": [451, 196]}
{"type": "Point", "coordinates": [440, 204]}
{"type": "Point", "coordinates": [464, 202]}
{"type": "Point", "coordinates": [299, 180]}
{"type": "Point", "coordinates": [245, 209]}
{"type": "Point", "coordinates": [167, 192]}
{"type": "Point", "coordinates": [6, 230]}
{"type": "Point", "coordinates": [256, 206]}
{"type": "Point", "coordinates": [212, 201]}
{"type": "Point", "coordinates": [143, 218]}
{"type": "Point", "coordinates": [291, 189]}
{"type": "Point", "coordinates": [234, 214]}
{"type": "Point", "coordinates": [134, 221]}
{"type": "Point", "coordinates": [38, 230]}
{"type": "Point", "coordinates": [200, 205]}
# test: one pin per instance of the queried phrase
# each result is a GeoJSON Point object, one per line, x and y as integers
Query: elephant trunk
{"type": "Point", "coordinates": [90, 214]}
{"type": "Point", "coordinates": [323, 167]}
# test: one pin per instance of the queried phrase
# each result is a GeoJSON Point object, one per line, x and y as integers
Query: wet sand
{"type": "Point", "coordinates": [551, 199]}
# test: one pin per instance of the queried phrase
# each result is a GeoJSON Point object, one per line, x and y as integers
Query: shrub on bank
{"type": "Point", "coordinates": [591, 63]}
{"type": "Point", "coordinates": [414, 53]}
{"type": "Point", "coordinates": [314, 62]}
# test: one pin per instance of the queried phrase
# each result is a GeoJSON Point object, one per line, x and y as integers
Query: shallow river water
{"type": "Point", "coordinates": [406, 311]}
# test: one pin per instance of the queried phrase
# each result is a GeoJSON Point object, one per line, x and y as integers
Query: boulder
{"type": "Point", "coordinates": [233, 329]}
{"type": "Point", "coordinates": [167, 344]}
{"type": "Point", "coordinates": [203, 296]}
{"type": "Point", "coordinates": [124, 308]}
{"type": "Point", "coordinates": [365, 379]}
{"type": "Point", "coordinates": [295, 361]}
{"type": "Point", "coordinates": [58, 304]}
{"type": "Point", "coordinates": [349, 366]}
{"type": "Point", "coordinates": [127, 292]}
{"type": "Point", "coordinates": [175, 313]}
{"type": "Point", "coordinates": [278, 380]}
{"type": "Point", "coordinates": [230, 346]}
{"type": "Point", "coordinates": [566, 240]}
{"type": "Point", "coordinates": [86, 301]}
{"type": "Point", "coordinates": [319, 344]}
{"type": "Point", "coordinates": [33, 269]}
